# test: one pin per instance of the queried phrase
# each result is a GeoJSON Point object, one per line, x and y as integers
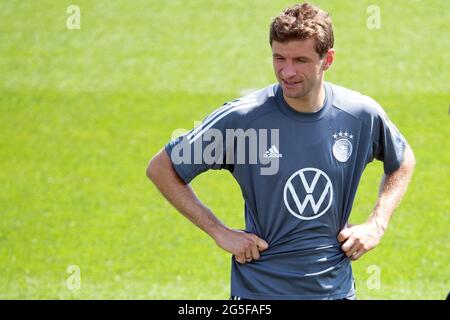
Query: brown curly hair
{"type": "Point", "coordinates": [301, 22]}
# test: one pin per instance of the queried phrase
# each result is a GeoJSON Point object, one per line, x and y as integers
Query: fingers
{"type": "Point", "coordinates": [240, 258]}
{"type": "Point", "coordinates": [348, 242]}
{"type": "Point", "coordinates": [344, 234]}
{"type": "Point", "coordinates": [353, 248]}
{"type": "Point", "coordinates": [252, 246]}
{"type": "Point", "coordinates": [262, 245]}
{"type": "Point", "coordinates": [352, 252]}
{"type": "Point", "coordinates": [348, 245]}
{"type": "Point", "coordinates": [356, 240]}
{"type": "Point", "coordinates": [248, 256]}
{"type": "Point", "coordinates": [357, 254]}
{"type": "Point", "coordinates": [255, 253]}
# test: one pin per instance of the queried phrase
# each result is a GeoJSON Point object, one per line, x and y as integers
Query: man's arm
{"type": "Point", "coordinates": [358, 239]}
{"type": "Point", "coordinates": [244, 246]}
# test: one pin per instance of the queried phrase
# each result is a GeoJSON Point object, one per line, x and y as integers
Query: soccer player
{"type": "Point", "coordinates": [297, 150]}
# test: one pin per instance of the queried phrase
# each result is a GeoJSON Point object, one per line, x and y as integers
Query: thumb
{"type": "Point", "coordinates": [344, 234]}
{"type": "Point", "coordinates": [262, 245]}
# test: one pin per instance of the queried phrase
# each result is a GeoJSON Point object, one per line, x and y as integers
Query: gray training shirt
{"type": "Point", "coordinates": [298, 173]}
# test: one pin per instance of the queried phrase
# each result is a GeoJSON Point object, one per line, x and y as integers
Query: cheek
{"type": "Point", "coordinates": [308, 71]}
{"type": "Point", "coordinates": [276, 66]}
{"type": "Point", "coordinates": [320, 67]}
{"type": "Point", "coordinates": [277, 69]}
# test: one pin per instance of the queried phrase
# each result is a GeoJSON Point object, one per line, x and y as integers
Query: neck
{"type": "Point", "coordinates": [312, 102]}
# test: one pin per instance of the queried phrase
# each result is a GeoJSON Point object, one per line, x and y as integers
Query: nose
{"type": "Point", "coordinates": [288, 71]}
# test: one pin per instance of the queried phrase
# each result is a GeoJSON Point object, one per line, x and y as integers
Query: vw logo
{"type": "Point", "coordinates": [308, 193]}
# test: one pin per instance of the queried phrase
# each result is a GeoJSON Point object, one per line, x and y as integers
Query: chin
{"type": "Point", "coordinates": [293, 94]}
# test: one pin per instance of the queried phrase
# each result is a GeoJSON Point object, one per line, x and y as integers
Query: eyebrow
{"type": "Point", "coordinates": [277, 55]}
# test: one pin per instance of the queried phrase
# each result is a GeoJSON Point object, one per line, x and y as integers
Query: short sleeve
{"type": "Point", "coordinates": [387, 141]}
{"type": "Point", "coordinates": [203, 148]}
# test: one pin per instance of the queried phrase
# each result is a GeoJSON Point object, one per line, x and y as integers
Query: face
{"type": "Point", "coordinates": [298, 67]}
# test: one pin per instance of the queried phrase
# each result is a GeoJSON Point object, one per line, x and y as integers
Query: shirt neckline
{"type": "Point", "coordinates": [304, 116]}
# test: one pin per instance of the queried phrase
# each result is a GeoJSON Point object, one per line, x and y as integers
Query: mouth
{"type": "Point", "coordinates": [291, 84]}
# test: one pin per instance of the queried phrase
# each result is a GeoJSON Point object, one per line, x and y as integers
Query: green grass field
{"type": "Point", "coordinates": [82, 112]}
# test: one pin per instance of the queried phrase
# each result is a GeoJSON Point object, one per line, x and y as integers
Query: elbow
{"type": "Point", "coordinates": [410, 159]}
{"type": "Point", "coordinates": [152, 170]}
{"type": "Point", "coordinates": [159, 167]}
{"type": "Point", "coordinates": [160, 170]}
{"type": "Point", "coordinates": [413, 162]}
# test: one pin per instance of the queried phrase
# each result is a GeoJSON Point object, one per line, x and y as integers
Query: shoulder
{"type": "Point", "coordinates": [237, 113]}
{"type": "Point", "coordinates": [355, 103]}
{"type": "Point", "coordinates": [246, 108]}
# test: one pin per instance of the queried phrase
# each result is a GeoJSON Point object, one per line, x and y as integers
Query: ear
{"type": "Point", "coordinates": [328, 59]}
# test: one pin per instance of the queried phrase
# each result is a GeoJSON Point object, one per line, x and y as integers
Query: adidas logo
{"type": "Point", "coordinates": [272, 153]}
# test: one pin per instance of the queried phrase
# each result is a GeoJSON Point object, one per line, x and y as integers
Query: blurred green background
{"type": "Point", "coordinates": [82, 112]}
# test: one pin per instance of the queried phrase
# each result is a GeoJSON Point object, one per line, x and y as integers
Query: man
{"type": "Point", "coordinates": [299, 193]}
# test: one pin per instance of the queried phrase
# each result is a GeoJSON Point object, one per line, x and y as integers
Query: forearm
{"type": "Point", "coordinates": [358, 239]}
{"type": "Point", "coordinates": [392, 189]}
{"type": "Point", "coordinates": [244, 246]}
{"type": "Point", "coordinates": [181, 195]}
